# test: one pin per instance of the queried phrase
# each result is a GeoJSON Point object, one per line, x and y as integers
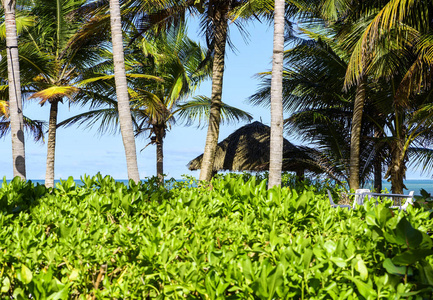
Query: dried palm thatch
{"type": "Point", "coordinates": [248, 148]}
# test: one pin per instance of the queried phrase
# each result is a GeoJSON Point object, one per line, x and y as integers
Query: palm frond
{"type": "Point", "coordinates": [23, 22]}
{"type": "Point", "coordinates": [33, 128]}
{"type": "Point", "coordinates": [421, 158]}
{"type": "Point", "coordinates": [198, 110]}
{"type": "Point", "coordinates": [106, 118]}
{"type": "Point", "coordinates": [4, 109]}
{"type": "Point", "coordinates": [55, 92]}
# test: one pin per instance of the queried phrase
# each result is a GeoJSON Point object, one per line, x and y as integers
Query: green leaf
{"type": "Point", "coordinates": [411, 256]}
{"type": "Point", "coordinates": [60, 295]}
{"type": "Point", "coordinates": [247, 270]}
{"type": "Point", "coordinates": [275, 281]}
{"type": "Point", "coordinates": [6, 285]}
{"type": "Point", "coordinates": [274, 195]}
{"type": "Point", "coordinates": [126, 203]}
{"type": "Point", "coordinates": [26, 275]}
{"type": "Point", "coordinates": [74, 275]}
{"type": "Point", "coordinates": [365, 289]}
{"type": "Point", "coordinates": [302, 200]}
{"type": "Point", "coordinates": [426, 271]}
{"type": "Point", "coordinates": [306, 257]}
{"type": "Point", "coordinates": [19, 293]}
{"type": "Point", "coordinates": [411, 236]}
{"type": "Point", "coordinates": [330, 246]}
{"type": "Point", "coordinates": [383, 215]}
{"type": "Point", "coordinates": [362, 269]}
{"type": "Point", "coordinates": [395, 270]}
{"type": "Point", "coordinates": [370, 218]}
{"type": "Point", "coordinates": [65, 230]}
{"type": "Point", "coordinates": [340, 262]}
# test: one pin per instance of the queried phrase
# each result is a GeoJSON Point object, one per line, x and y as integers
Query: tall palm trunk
{"type": "Point", "coordinates": [355, 137]}
{"type": "Point", "coordinates": [160, 160]}
{"type": "Point", "coordinates": [221, 26]}
{"type": "Point", "coordinates": [377, 165]}
{"type": "Point", "coordinates": [377, 173]}
{"type": "Point", "coordinates": [276, 155]}
{"type": "Point", "coordinates": [125, 118]}
{"type": "Point", "coordinates": [15, 101]}
{"type": "Point", "coordinates": [159, 141]}
{"type": "Point", "coordinates": [397, 168]}
{"type": "Point", "coordinates": [51, 144]}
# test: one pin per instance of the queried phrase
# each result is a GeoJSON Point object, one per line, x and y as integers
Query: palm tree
{"type": "Point", "coordinates": [349, 19]}
{"type": "Point", "coordinates": [395, 45]}
{"type": "Point", "coordinates": [389, 40]}
{"type": "Point", "coordinates": [54, 64]}
{"type": "Point", "coordinates": [344, 15]}
{"type": "Point", "coordinates": [175, 59]}
{"type": "Point", "coordinates": [15, 101]}
{"type": "Point", "coordinates": [215, 16]}
{"type": "Point", "coordinates": [122, 92]}
{"type": "Point", "coordinates": [276, 155]}
{"type": "Point", "coordinates": [162, 73]}
{"type": "Point", "coordinates": [322, 113]}
{"type": "Point", "coordinates": [214, 22]}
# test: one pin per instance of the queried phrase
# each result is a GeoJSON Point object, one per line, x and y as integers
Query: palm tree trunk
{"type": "Point", "coordinates": [159, 140]}
{"type": "Point", "coordinates": [377, 173]}
{"type": "Point", "coordinates": [15, 101]}
{"type": "Point", "coordinates": [51, 144]}
{"type": "Point", "coordinates": [397, 168]}
{"type": "Point", "coordinates": [221, 25]}
{"type": "Point", "coordinates": [355, 137]}
{"type": "Point", "coordinates": [159, 160]}
{"type": "Point", "coordinates": [276, 154]}
{"type": "Point", "coordinates": [377, 164]}
{"type": "Point", "coordinates": [125, 118]}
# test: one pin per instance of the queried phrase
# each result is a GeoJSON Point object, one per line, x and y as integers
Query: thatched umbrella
{"type": "Point", "coordinates": [248, 148]}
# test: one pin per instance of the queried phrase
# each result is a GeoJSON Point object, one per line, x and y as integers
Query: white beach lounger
{"type": "Point", "coordinates": [336, 205]}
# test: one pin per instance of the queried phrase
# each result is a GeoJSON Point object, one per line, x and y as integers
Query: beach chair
{"type": "Point", "coordinates": [359, 196]}
{"type": "Point", "coordinates": [336, 205]}
{"type": "Point", "coordinates": [396, 198]}
{"type": "Point", "coordinates": [409, 201]}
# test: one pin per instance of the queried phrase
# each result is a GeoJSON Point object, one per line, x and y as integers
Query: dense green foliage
{"type": "Point", "coordinates": [232, 239]}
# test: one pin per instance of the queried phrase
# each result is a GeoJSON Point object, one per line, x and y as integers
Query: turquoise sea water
{"type": "Point", "coordinates": [412, 185]}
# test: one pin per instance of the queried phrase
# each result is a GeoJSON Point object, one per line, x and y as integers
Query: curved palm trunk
{"type": "Point", "coordinates": [51, 144]}
{"type": "Point", "coordinates": [276, 155]}
{"type": "Point", "coordinates": [15, 101]}
{"type": "Point", "coordinates": [221, 25]}
{"type": "Point", "coordinates": [355, 137]}
{"type": "Point", "coordinates": [125, 118]}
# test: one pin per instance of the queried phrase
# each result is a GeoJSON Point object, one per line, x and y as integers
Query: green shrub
{"type": "Point", "coordinates": [230, 239]}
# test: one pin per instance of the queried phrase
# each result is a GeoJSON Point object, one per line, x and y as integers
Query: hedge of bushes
{"type": "Point", "coordinates": [232, 239]}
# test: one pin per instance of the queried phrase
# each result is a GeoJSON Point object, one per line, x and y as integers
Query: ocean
{"type": "Point", "coordinates": [412, 184]}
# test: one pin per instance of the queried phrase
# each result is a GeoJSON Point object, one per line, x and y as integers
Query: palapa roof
{"type": "Point", "coordinates": [248, 148]}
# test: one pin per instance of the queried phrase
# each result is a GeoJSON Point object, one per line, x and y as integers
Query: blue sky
{"type": "Point", "coordinates": [83, 151]}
